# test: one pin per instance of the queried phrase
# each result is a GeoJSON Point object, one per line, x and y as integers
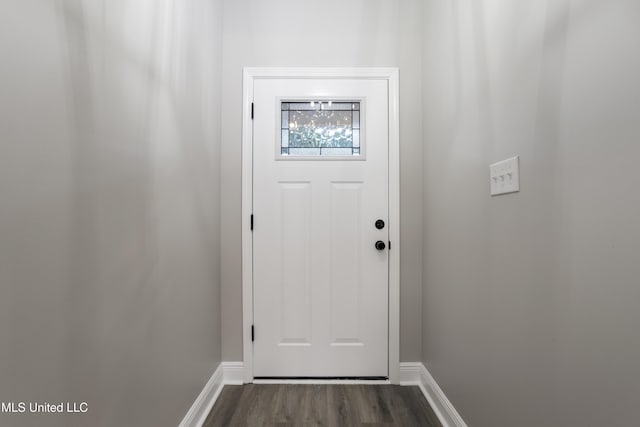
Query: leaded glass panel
{"type": "Point", "coordinates": [320, 128]}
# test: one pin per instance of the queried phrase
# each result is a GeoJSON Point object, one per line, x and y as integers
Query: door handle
{"type": "Point", "coordinates": [380, 245]}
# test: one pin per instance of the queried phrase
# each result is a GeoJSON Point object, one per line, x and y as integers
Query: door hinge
{"type": "Point", "coordinates": [252, 111]}
{"type": "Point", "coordinates": [251, 222]}
{"type": "Point", "coordinates": [389, 244]}
{"type": "Point", "coordinates": [253, 334]}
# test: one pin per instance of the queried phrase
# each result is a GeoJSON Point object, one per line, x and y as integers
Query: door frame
{"type": "Point", "coordinates": [391, 75]}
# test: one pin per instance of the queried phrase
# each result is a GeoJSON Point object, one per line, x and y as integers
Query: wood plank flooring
{"type": "Point", "coordinates": [321, 405]}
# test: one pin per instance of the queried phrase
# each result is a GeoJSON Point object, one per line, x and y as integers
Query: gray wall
{"type": "Point", "coordinates": [329, 33]}
{"type": "Point", "coordinates": [531, 300]}
{"type": "Point", "coordinates": [109, 207]}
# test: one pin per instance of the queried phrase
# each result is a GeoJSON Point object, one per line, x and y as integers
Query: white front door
{"type": "Point", "coordinates": [320, 236]}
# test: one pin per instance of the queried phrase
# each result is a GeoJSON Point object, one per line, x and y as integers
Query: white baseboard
{"type": "Point", "coordinates": [233, 373]}
{"type": "Point", "coordinates": [411, 373]}
{"type": "Point", "coordinates": [204, 402]}
{"type": "Point", "coordinates": [415, 373]}
{"type": "Point", "coordinates": [227, 373]}
{"type": "Point", "coordinates": [443, 408]}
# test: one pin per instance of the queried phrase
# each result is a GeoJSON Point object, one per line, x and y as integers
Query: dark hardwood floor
{"type": "Point", "coordinates": [321, 405]}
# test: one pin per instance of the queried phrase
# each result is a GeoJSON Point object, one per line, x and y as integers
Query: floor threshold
{"type": "Point", "coordinates": [321, 380]}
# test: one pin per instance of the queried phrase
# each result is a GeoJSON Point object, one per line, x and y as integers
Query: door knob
{"type": "Point", "coordinates": [380, 245]}
{"type": "Point", "coordinates": [379, 224]}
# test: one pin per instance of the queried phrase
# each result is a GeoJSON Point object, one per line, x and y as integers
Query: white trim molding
{"type": "Point", "coordinates": [391, 75]}
{"type": "Point", "coordinates": [201, 407]}
{"type": "Point", "coordinates": [233, 373]}
{"type": "Point", "coordinates": [409, 374]}
{"type": "Point", "coordinates": [227, 373]}
{"type": "Point", "coordinates": [415, 373]}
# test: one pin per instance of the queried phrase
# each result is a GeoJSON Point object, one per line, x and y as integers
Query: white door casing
{"type": "Point", "coordinates": [323, 299]}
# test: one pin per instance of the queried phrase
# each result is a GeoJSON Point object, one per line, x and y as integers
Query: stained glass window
{"type": "Point", "coordinates": [320, 128]}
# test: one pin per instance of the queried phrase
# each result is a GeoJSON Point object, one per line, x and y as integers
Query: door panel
{"type": "Point", "coordinates": [295, 298]}
{"type": "Point", "coordinates": [320, 286]}
{"type": "Point", "coordinates": [345, 263]}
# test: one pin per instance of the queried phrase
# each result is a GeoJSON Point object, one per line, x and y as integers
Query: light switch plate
{"type": "Point", "coordinates": [505, 176]}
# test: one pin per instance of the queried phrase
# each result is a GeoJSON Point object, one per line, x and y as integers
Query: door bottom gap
{"type": "Point", "coordinates": [324, 378]}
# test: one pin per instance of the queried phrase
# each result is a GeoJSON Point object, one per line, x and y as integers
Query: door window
{"type": "Point", "coordinates": [320, 129]}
